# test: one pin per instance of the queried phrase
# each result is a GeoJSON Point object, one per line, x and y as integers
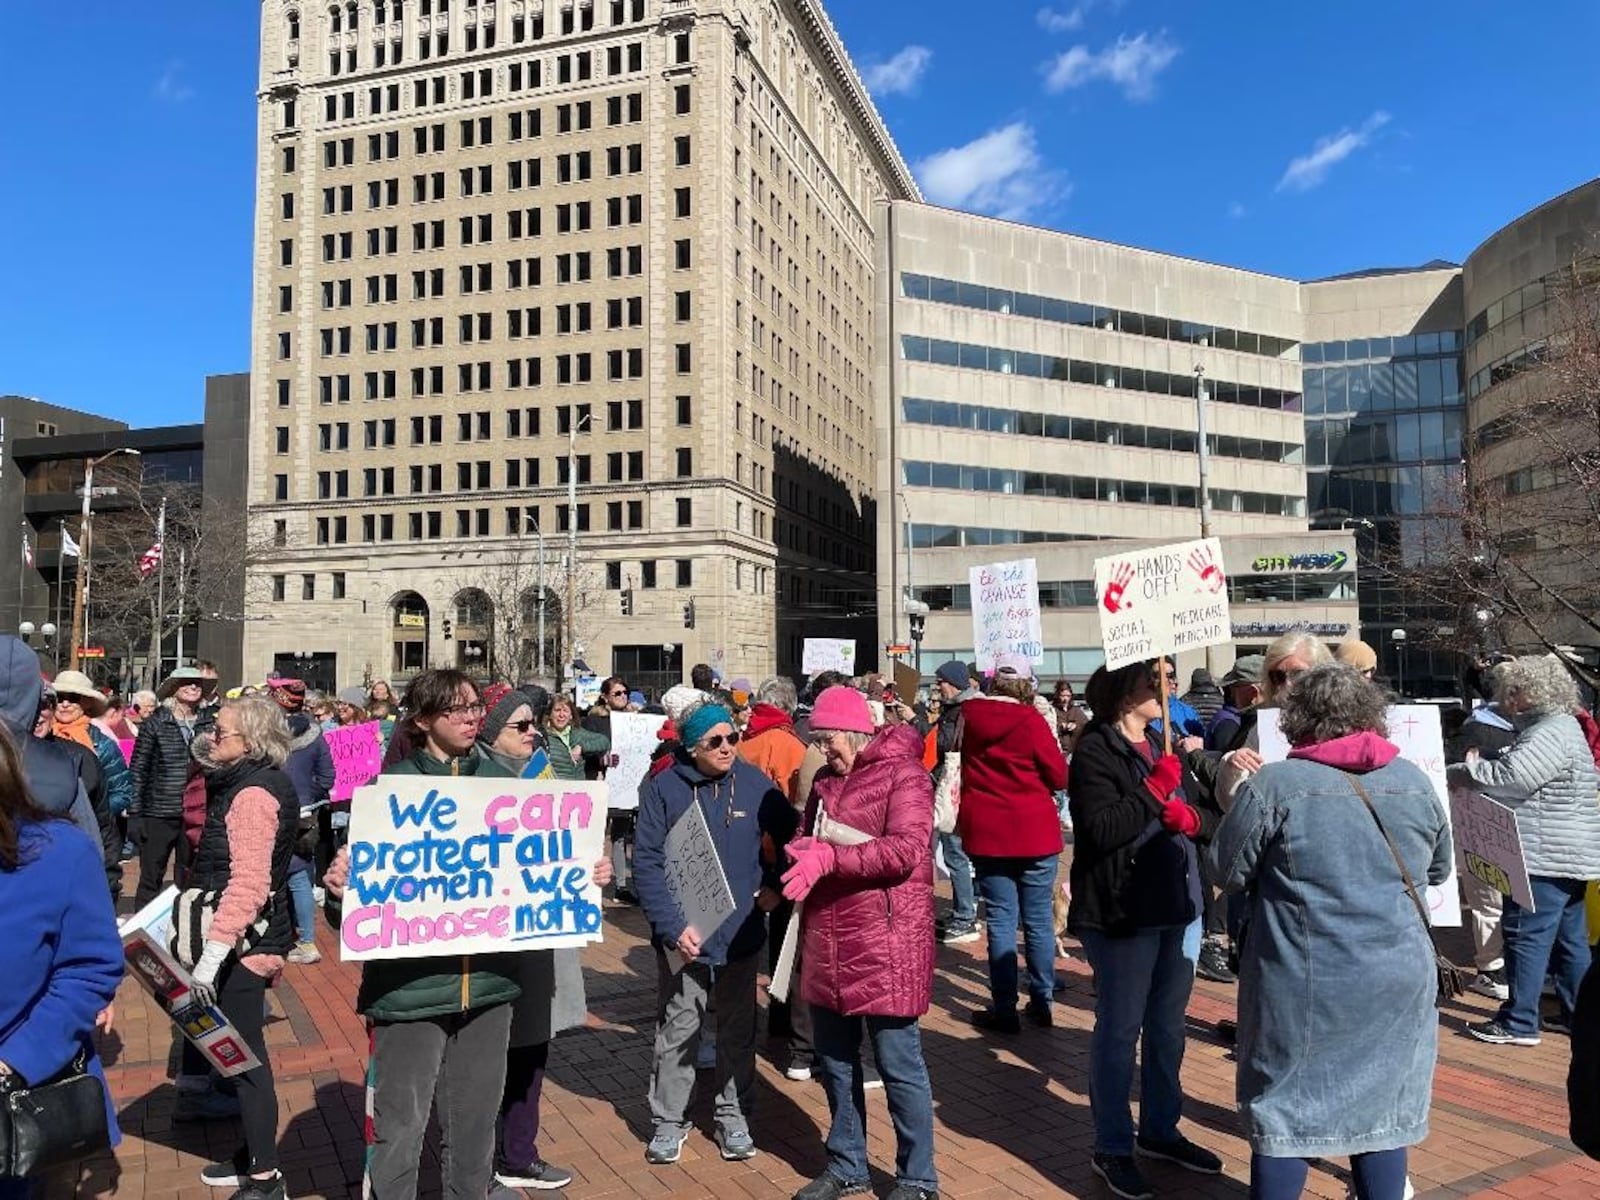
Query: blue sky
{"type": "Point", "coordinates": [1299, 139]}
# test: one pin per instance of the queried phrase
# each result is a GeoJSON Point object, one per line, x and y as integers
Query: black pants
{"type": "Point", "coordinates": [242, 997]}
{"type": "Point", "coordinates": [159, 839]}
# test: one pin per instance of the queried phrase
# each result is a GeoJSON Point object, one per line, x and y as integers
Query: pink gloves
{"type": "Point", "coordinates": [812, 860]}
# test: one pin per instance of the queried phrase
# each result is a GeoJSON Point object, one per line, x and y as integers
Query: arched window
{"type": "Point", "coordinates": [380, 13]}
{"type": "Point", "coordinates": [355, 17]}
{"type": "Point", "coordinates": [294, 27]}
{"type": "Point", "coordinates": [408, 635]}
{"type": "Point", "coordinates": [335, 18]}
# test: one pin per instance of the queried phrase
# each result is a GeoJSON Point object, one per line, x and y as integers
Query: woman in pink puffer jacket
{"type": "Point", "coordinates": [867, 938]}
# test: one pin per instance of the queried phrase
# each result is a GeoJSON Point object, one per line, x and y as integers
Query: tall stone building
{"type": "Point", "coordinates": [531, 272]}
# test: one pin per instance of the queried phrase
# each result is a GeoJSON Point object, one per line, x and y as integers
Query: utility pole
{"type": "Point", "coordinates": [61, 559]}
{"type": "Point", "coordinates": [80, 600]}
{"type": "Point", "coordinates": [572, 532]}
{"type": "Point", "coordinates": [1205, 474]}
{"type": "Point", "coordinates": [183, 570]}
{"type": "Point", "coordinates": [161, 596]}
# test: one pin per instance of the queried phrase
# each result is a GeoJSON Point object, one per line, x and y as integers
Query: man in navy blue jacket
{"type": "Point", "coordinates": [750, 821]}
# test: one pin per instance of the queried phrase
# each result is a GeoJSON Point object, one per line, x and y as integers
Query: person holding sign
{"type": "Point", "coordinates": [1548, 776]}
{"type": "Point", "coordinates": [739, 806]}
{"type": "Point", "coordinates": [1327, 902]}
{"type": "Point", "coordinates": [1137, 815]}
{"type": "Point", "coordinates": [866, 939]}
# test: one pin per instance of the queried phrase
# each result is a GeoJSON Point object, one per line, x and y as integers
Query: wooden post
{"type": "Point", "coordinates": [1166, 706]}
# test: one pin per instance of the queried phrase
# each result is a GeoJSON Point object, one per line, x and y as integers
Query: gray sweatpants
{"type": "Point", "coordinates": [680, 1010]}
{"type": "Point", "coordinates": [463, 1057]}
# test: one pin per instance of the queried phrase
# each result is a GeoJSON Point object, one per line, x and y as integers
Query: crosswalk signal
{"type": "Point", "coordinates": [447, 628]}
{"type": "Point", "coordinates": [688, 615]}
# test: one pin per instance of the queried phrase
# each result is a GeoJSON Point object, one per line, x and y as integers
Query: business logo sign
{"type": "Point", "coordinates": [1321, 560]}
{"type": "Point", "coordinates": [1329, 629]}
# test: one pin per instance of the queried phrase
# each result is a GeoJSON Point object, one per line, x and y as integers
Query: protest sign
{"type": "Point", "coordinates": [1005, 612]}
{"type": "Point", "coordinates": [828, 654]}
{"type": "Point", "coordinates": [1489, 844]}
{"type": "Point", "coordinates": [586, 692]}
{"type": "Point", "coordinates": [145, 936]}
{"type": "Point", "coordinates": [357, 757]}
{"type": "Point", "coordinates": [1416, 730]}
{"type": "Point", "coordinates": [634, 737]}
{"type": "Point", "coordinates": [695, 874]}
{"type": "Point", "coordinates": [1162, 600]}
{"type": "Point", "coordinates": [464, 865]}
{"type": "Point", "coordinates": [126, 746]}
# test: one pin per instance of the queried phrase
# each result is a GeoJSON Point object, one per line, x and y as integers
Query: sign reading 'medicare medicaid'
{"type": "Point", "coordinates": [1162, 600]}
{"type": "Point", "coordinates": [443, 865]}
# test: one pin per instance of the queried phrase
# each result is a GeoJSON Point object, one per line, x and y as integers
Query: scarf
{"type": "Point", "coordinates": [76, 730]}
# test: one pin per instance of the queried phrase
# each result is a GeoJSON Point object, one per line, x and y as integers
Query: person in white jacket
{"type": "Point", "coordinates": [1548, 776]}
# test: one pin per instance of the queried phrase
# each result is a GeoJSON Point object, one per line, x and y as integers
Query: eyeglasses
{"type": "Point", "coordinates": [464, 710]}
{"type": "Point", "coordinates": [715, 741]}
{"type": "Point", "coordinates": [1280, 677]}
{"type": "Point", "coordinates": [223, 735]}
{"type": "Point", "coordinates": [617, 692]}
{"type": "Point", "coordinates": [521, 726]}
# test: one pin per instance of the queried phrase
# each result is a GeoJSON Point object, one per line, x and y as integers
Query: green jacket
{"type": "Point", "coordinates": [410, 989]}
{"type": "Point", "coordinates": [560, 745]}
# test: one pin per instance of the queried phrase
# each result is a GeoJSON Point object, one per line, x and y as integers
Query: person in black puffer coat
{"type": "Point", "coordinates": [161, 770]}
{"type": "Point", "coordinates": [1204, 696]}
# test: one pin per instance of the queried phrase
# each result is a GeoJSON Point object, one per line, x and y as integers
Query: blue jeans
{"type": "Point", "coordinates": [897, 1045]}
{"type": "Point", "coordinates": [1378, 1175]}
{"type": "Point", "coordinates": [1553, 938]}
{"type": "Point", "coordinates": [303, 904]}
{"type": "Point", "coordinates": [1016, 889]}
{"type": "Point", "coordinates": [1143, 983]}
{"type": "Point", "coordinates": [964, 904]}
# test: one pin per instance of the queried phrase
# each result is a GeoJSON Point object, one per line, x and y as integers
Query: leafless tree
{"type": "Point", "coordinates": [510, 576]}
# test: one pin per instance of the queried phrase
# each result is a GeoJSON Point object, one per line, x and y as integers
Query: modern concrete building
{"type": "Point", "coordinates": [525, 273]}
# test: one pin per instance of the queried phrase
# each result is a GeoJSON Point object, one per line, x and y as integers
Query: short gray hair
{"type": "Point", "coordinates": [1331, 701]}
{"type": "Point", "coordinates": [777, 691]}
{"type": "Point", "coordinates": [1297, 643]}
{"type": "Point", "coordinates": [144, 696]}
{"type": "Point", "coordinates": [1540, 681]}
{"type": "Point", "coordinates": [262, 728]}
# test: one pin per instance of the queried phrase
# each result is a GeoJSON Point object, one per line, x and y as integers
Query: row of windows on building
{"type": "Point", "coordinates": [981, 418]}
{"type": "Point", "coordinates": [1382, 348]}
{"type": "Point", "coordinates": [1384, 386]}
{"type": "Point", "coordinates": [1007, 481]}
{"type": "Point", "coordinates": [1380, 493]}
{"type": "Point", "coordinates": [384, 433]}
{"type": "Point", "coordinates": [969, 356]}
{"type": "Point", "coordinates": [1008, 302]}
{"type": "Point", "coordinates": [1293, 587]}
{"type": "Point", "coordinates": [1369, 441]}
{"type": "Point", "coordinates": [938, 537]}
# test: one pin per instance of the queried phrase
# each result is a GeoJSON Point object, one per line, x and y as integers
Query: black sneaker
{"type": "Point", "coordinates": [1039, 1014]}
{"type": "Point", "coordinates": [910, 1191]}
{"type": "Point", "coordinates": [829, 1186]}
{"type": "Point", "coordinates": [1556, 1024]}
{"type": "Point", "coordinates": [1213, 963]}
{"type": "Point", "coordinates": [230, 1172]}
{"type": "Point", "coordinates": [1498, 1035]}
{"type": "Point", "coordinates": [261, 1189]}
{"type": "Point", "coordinates": [537, 1176]}
{"type": "Point", "coordinates": [1185, 1153]}
{"type": "Point", "coordinates": [625, 895]}
{"type": "Point", "coordinates": [959, 932]}
{"type": "Point", "coordinates": [990, 1021]}
{"type": "Point", "coordinates": [1122, 1176]}
{"type": "Point", "coordinates": [1227, 1032]}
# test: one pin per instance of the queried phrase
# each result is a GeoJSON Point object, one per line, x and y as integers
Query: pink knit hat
{"type": "Point", "coordinates": [842, 708]}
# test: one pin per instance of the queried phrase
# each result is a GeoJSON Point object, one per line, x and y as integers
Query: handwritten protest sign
{"type": "Point", "coordinates": [1162, 600]}
{"type": "Point", "coordinates": [1416, 730]}
{"type": "Point", "coordinates": [1005, 612]}
{"type": "Point", "coordinates": [145, 937]}
{"type": "Point", "coordinates": [828, 654]}
{"type": "Point", "coordinates": [1489, 844]}
{"type": "Point", "coordinates": [443, 865]}
{"type": "Point", "coordinates": [634, 737]}
{"type": "Point", "coordinates": [695, 874]}
{"type": "Point", "coordinates": [357, 757]}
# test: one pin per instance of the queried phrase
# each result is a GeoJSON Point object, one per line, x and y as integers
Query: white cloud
{"type": "Point", "coordinates": [1052, 21]}
{"type": "Point", "coordinates": [1132, 64]}
{"type": "Point", "coordinates": [1237, 210]}
{"type": "Point", "coordinates": [900, 74]}
{"type": "Point", "coordinates": [170, 87]}
{"type": "Point", "coordinates": [1306, 171]}
{"type": "Point", "coordinates": [999, 173]}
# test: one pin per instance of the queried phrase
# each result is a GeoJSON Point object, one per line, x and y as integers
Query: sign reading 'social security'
{"type": "Point", "coordinates": [1162, 600]}
{"type": "Point", "coordinates": [442, 865]}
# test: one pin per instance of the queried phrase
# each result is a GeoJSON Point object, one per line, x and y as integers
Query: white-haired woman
{"type": "Point", "coordinates": [1286, 659]}
{"type": "Point", "coordinates": [1548, 776]}
{"type": "Point", "coordinates": [240, 874]}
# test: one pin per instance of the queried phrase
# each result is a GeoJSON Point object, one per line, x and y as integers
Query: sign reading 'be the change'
{"type": "Point", "coordinates": [472, 866]}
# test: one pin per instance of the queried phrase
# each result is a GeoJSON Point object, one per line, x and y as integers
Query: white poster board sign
{"type": "Point", "coordinates": [1416, 730]}
{"type": "Point", "coordinates": [1162, 600]}
{"type": "Point", "coordinates": [634, 737]}
{"type": "Point", "coordinates": [1489, 844]}
{"type": "Point", "coordinates": [441, 865]}
{"type": "Point", "coordinates": [828, 654]}
{"type": "Point", "coordinates": [695, 874]}
{"type": "Point", "coordinates": [1005, 612]}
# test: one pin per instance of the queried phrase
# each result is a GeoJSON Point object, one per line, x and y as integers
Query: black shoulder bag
{"type": "Point", "coordinates": [56, 1122]}
{"type": "Point", "coordinates": [1452, 982]}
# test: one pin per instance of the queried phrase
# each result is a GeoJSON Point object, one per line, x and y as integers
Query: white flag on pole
{"type": "Point", "coordinates": [69, 548]}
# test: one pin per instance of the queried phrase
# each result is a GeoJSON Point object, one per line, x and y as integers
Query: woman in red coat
{"type": "Point", "coordinates": [867, 938]}
{"type": "Point", "coordinates": [1011, 768]}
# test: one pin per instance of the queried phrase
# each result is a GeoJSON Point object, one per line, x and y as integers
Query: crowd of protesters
{"type": "Point", "coordinates": [832, 811]}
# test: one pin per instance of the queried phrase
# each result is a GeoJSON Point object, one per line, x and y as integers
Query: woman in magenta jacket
{"type": "Point", "coordinates": [1011, 768]}
{"type": "Point", "coordinates": [867, 938]}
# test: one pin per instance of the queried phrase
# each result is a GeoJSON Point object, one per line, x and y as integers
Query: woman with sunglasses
{"type": "Point", "coordinates": [1286, 660]}
{"type": "Point", "coordinates": [575, 753]}
{"type": "Point", "coordinates": [741, 807]}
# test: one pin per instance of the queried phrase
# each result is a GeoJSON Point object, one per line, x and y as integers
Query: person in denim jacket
{"type": "Point", "coordinates": [1337, 1028]}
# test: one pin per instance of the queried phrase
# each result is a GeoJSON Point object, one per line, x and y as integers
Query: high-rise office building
{"type": "Point", "coordinates": [529, 275]}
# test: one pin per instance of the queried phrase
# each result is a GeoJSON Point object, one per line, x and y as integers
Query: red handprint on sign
{"type": "Point", "coordinates": [1205, 566]}
{"type": "Point", "coordinates": [1121, 577]}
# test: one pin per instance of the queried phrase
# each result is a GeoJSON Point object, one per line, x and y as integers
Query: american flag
{"type": "Point", "coordinates": [150, 560]}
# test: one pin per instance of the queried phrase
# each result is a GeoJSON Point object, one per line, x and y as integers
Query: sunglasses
{"type": "Point", "coordinates": [716, 740]}
{"type": "Point", "coordinates": [521, 726]}
{"type": "Point", "coordinates": [1280, 677]}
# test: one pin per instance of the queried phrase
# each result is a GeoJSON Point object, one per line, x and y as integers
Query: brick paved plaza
{"type": "Point", "coordinates": [1012, 1114]}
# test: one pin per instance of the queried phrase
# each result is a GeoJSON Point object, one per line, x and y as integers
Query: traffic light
{"type": "Point", "coordinates": [918, 624]}
{"type": "Point", "coordinates": [447, 629]}
{"type": "Point", "coordinates": [688, 615]}
{"type": "Point", "coordinates": [627, 602]}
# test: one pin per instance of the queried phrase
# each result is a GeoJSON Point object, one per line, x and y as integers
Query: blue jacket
{"type": "Point", "coordinates": [1337, 1026]}
{"type": "Point", "coordinates": [61, 957]}
{"type": "Point", "coordinates": [114, 768]}
{"type": "Point", "coordinates": [310, 763]}
{"type": "Point", "coordinates": [1185, 721]}
{"type": "Point", "coordinates": [739, 809]}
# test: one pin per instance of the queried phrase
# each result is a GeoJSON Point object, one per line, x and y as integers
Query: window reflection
{"type": "Point", "coordinates": [1007, 481]}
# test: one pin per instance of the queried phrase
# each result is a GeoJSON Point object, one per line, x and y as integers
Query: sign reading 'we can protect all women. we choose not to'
{"type": "Point", "coordinates": [472, 866]}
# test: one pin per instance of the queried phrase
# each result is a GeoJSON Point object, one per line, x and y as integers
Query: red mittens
{"type": "Point", "coordinates": [1165, 777]}
{"type": "Point", "coordinates": [1178, 817]}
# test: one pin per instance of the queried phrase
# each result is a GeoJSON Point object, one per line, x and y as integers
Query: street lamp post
{"type": "Point", "coordinates": [572, 527]}
{"type": "Point", "coordinates": [1205, 472]}
{"type": "Point", "coordinates": [1398, 637]}
{"type": "Point", "coordinates": [80, 591]}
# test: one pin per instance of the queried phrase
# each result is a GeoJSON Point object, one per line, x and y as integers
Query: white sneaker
{"type": "Point", "coordinates": [1492, 984]}
{"type": "Point", "coordinates": [305, 953]}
